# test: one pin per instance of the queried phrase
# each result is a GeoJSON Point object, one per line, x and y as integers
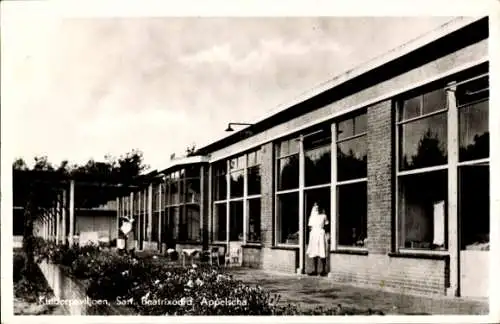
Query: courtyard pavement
{"type": "Point", "coordinates": [307, 291]}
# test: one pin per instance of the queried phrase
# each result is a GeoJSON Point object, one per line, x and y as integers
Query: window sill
{"type": "Point", "coordinates": [252, 245]}
{"type": "Point", "coordinates": [285, 247]}
{"type": "Point", "coordinates": [350, 251]}
{"type": "Point", "coordinates": [429, 255]}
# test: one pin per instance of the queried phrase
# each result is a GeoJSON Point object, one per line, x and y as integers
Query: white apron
{"type": "Point", "coordinates": [317, 238]}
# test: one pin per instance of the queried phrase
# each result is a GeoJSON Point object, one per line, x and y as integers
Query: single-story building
{"type": "Point", "coordinates": [396, 152]}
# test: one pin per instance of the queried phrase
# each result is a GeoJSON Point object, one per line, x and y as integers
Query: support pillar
{"type": "Point", "coordinates": [57, 214]}
{"type": "Point", "coordinates": [302, 233]}
{"type": "Point", "coordinates": [150, 212]}
{"type": "Point", "coordinates": [71, 211]}
{"type": "Point", "coordinates": [63, 212]}
{"type": "Point", "coordinates": [453, 246]}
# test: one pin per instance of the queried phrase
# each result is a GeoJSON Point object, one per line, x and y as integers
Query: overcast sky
{"type": "Point", "coordinates": [83, 88]}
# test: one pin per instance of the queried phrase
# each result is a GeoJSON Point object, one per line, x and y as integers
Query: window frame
{"type": "Point", "coordinates": [242, 165]}
{"type": "Point", "coordinates": [452, 166]}
{"type": "Point", "coordinates": [336, 184]}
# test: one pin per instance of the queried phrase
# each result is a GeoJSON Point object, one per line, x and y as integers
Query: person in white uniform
{"type": "Point", "coordinates": [317, 247]}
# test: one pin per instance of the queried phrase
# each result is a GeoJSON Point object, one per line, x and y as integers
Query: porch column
{"type": "Point", "coordinates": [71, 211]}
{"type": "Point", "coordinates": [160, 212]}
{"type": "Point", "coordinates": [63, 214]}
{"type": "Point", "coordinates": [150, 212]}
{"type": "Point", "coordinates": [117, 202]}
{"type": "Point", "coordinates": [57, 214]}
{"type": "Point", "coordinates": [302, 263]}
{"type": "Point", "coordinates": [453, 246]}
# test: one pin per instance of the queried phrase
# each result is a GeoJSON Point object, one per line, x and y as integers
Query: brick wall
{"type": "Point", "coordinates": [266, 224]}
{"type": "Point", "coordinates": [379, 181]}
{"type": "Point", "coordinates": [279, 260]}
{"type": "Point", "coordinates": [383, 271]}
{"type": "Point", "coordinates": [252, 257]}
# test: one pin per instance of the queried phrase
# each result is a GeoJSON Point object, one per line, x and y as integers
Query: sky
{"type": "Point", "coordinates": [82, 88]}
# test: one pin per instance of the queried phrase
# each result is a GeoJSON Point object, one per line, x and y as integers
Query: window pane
{"type": "Point", "coordinates": [193, 190]}
{"type": "Point", "coordinates": [351, 159]}
{"type": "Point", "coordinates": [182, 191]}
{"type": "Point", "coordinates": [154, 229]}
{"type": "Point", "coordinates": [473, 91]}
{"type": "Point", "coordinates": [287, 231]}
{"type": "Point", "coordinates": [236, 221]}
{"type": "Point", "coordinates": [433, 101]}
{"type": "Point", "coordinates": [320, 196]}
{"type": "Point", "coordinates": [474, 207]}
{"type": "Point", "coordinates": [360, 124]}
{"type": "Point", "coordinates": [253, 158]}
{"type": "Point", "coordinates": [253, 180]}
{"type": "Point", "coordinates": [193, 171]}
{"type": "Point", "coordinates": [220, 190]}
{"type": "Point", "coordinates": [410, 108]}
{"type": "Point", "coordinates": [253, 220]}
{"type": "Point", "coordinates": [474, 136]}
{"type": "Point", "coordinates": [423, 143]}
{"type": "Point", "coordinates": [318, 165]}
{"type": "Point", "coordinates": [181, 224]}
{"type": "Point", "coordinates": [155, 196]}
{"type": "Point", "coordinates": [352, 209]}
{"type": "Point", "coordinates": [288, 172]}
{"type": "Point", "coordinates": [423, 210]}
{"type": "Point", "coordinates": [237, 184]}
{"type": "Point", "coordinates": [174, 193]}
{"type": "Point", "coordinates": [193, 222]}
{"type": "Point", "coordinates": [219, 222]}
{"type": "Point", "coordinates": [345, 129]}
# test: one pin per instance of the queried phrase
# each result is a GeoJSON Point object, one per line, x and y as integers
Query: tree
{"type": "Point", "coordinates": [38, 188]}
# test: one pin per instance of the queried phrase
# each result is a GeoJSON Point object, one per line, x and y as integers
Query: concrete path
{"type": "Point", "coordinates": [314, 291]}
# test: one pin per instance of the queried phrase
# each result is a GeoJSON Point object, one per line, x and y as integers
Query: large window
{"type": "Point", "coordinates": [351, 145]}
{"type": "Point", "coordinates": [422, 123]}
{"type": "Point", "coordinates": [241, 177]}
{"type": "Point", "coordinates": [287, 191]}
{"type": "Point", "coordinates": [473, 168]}
{"type": "Point", "coordinates": [182, 204]}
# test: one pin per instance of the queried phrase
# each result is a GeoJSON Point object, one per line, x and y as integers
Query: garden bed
{"type": "Point", "coordinates": [29, 289]}
{"type": "Point", "coordinates": [149, 286]}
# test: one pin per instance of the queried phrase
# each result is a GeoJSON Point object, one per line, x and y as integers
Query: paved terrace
{"type": "Point", "coordinates": [309, 292]}
{"type": "Point", "coordinates": [314, 291]}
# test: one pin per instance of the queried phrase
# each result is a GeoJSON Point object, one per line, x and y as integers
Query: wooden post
{"type": "Point", "coordinates": [57, 214]}
{"type": "Point", "coordinates": [71, 211]}
{"type": "Point", "coordinates": [150, 212]}
{"type": "Point", "coordinates": [63, 210]}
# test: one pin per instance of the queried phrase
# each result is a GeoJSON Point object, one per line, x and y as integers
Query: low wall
{"type": "Point", "coordinates": [72, 293]}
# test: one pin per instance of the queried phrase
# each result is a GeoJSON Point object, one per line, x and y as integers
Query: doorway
{"type": "Point", "coordinates": [322, 197]}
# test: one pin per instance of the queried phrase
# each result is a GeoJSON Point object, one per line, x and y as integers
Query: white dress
{"type": "Point", "coordinates": [317, 237]}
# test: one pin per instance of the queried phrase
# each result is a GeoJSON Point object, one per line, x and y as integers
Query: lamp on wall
{"type": "Point", "coordinates": [230, 129]}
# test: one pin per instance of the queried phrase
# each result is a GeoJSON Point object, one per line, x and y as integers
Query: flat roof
{"type": "Point", "coordinates": [344, 78]}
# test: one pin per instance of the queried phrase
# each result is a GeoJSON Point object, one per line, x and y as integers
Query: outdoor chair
{"type": "Point", "coordinates": [213, 255]}
{"type": "Point", "coordinates": [234, 256]}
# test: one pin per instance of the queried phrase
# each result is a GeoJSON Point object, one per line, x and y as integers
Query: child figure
{"type": "Point", "coordinates": [316, 248]}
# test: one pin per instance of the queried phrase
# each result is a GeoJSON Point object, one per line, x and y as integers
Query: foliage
{"type": "Point", "coordinates": [28, 285]}
{"type": "Point", "coordinates": [157, 288]}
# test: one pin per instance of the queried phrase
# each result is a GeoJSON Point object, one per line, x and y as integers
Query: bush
{"type": "Point", "coordinates": [18, 263]}
{"type": "Point", "coordinates": [157, 288]}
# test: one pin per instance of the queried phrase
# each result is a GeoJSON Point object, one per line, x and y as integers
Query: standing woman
{"type": "Point", "coordinates": [316, 248]}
